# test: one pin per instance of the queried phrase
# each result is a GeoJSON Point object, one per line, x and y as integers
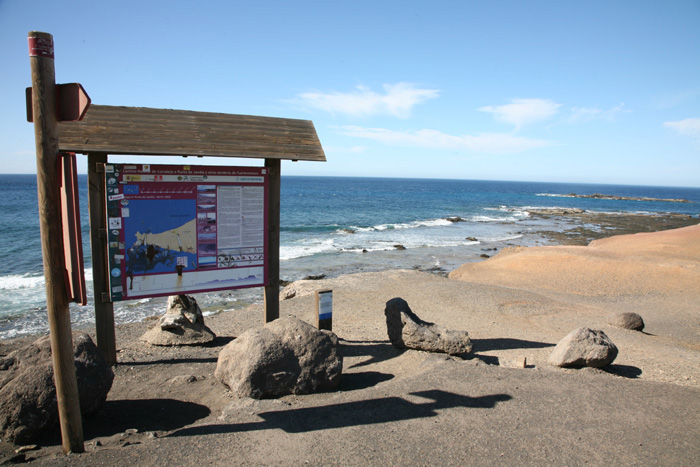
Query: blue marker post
{"type": "Point", "coordinates": [324, 309]}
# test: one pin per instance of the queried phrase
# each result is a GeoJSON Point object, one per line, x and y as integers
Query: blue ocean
{"type": "Point", "coordinates": [330, 226]}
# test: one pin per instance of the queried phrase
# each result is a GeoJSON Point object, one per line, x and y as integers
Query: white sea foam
{"type": "Point", "coordinates": [20, 281]}
{"type": "Point", "coordinates": [488, 219]}
{"type": "Point", "coordinates": [556, 195]}
{"type": "Point", "coordinates": [307, 248]}
{"type": "Point", "coordinates": [368, 248]}
{"type": "Point", "coordinates": [512, 218]}
{"type": "Point", "coordinates": [502, 239]}
{"type": "Point", "coordinates": [514, 214]}
{"type": "Point", "coordinates": [434, 223]}
{"type": "Point", "coordinates": [37, 326]}
{"type": "Point", "coordinates": [400, 226]}
{"type": "Point", "coordinates": [378, 238]}
{"type": "Point", "coordinates": [15, 282]}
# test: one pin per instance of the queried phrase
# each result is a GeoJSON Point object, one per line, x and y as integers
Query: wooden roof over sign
{"type": "Point", "coordinates": [165, 132]}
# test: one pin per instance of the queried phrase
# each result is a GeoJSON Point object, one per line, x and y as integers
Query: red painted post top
{"type": "Point", "coordinates": [40, 47]}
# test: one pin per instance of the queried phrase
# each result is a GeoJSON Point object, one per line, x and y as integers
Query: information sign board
{"type": "Point", "coordinates": [175, 229]}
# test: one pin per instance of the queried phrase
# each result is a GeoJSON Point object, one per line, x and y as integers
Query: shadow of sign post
{"type": "Point", "coordinates": [356, 413]}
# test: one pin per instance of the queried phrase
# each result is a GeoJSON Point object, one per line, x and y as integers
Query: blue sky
{"type": "Point", "coordinates": [595, 91]}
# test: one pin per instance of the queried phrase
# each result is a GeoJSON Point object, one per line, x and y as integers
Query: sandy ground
{"type": "Point", "coordinates": [415, 408]}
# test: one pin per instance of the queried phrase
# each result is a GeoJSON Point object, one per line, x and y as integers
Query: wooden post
{"type": "Point", "coordinates": [50, 219]}
{"type": "Point", "coordinates": [272, 289]}
{"type": "Point", "coordinates": [104, 308]}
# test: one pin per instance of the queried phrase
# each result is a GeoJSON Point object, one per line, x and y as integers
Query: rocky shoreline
{"type": "Point", "coordinates": [589, 226]}
{"type": "Point", "coordinates": [624, 198]}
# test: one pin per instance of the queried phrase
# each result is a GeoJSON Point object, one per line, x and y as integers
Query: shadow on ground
{"type": "Point", "coordinates": [140, 416]}
{"type": "Point", "coordinates": [377, 351]}
{"type": "Point", "coordinates": [145, 415]}
{"type": "Point", "coordinates": [356, 413]}
{"type": "Point", "coordinates": [506, 343]}
{"type": "Point", "coordinates": [625, 371]}
{"type": "Point", "coordinates": [220, 341]}
{"type": "Point", "coordinates": [362, 380]}
{"type": "Point", "coordinates": [171, 361]}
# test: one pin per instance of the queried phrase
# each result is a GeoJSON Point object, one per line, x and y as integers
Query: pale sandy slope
{"type": "Point", "coordinates": [654, 274]}
{"type": "Point", "coordinates": [660, 263]}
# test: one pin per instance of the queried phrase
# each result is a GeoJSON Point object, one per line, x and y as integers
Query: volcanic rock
{"type": "Point", "coordinates": [627, 320]}
{"type": "Point", "coordinates": [583, 347]}
{"type": "Point", "coordinates": [28, 405]}
{"type": "Point", "coordinates": [182, 324]}
{"type": "Point", "coordinates": [407, 330]}
{"type": "Point", "coordinates": [286, 356]}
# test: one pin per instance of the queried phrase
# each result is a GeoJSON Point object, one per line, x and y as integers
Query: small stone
{"type": "Point", "coordinates": [627, 320]}
{"type": "Point", "coordinates": [181, 379]}
{"type": "Point", "coordinates": [28, 447]}
{"type": "Point", "coordinates": [583, 347]}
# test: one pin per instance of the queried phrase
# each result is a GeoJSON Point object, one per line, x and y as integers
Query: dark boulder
{"type": "Point", "coordinates": [408, 331]}
{"type": "Point", "coordinates": [28, 405]}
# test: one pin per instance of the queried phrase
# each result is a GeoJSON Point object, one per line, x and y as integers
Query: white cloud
{"type": "Point", "coordinates": [490, 143]}
{"type": "Point", "coordinates": [397, 100]}
{"type": "Point", "coordinates": [585, 114]}
{"type": "Point", "coordinates": [687, 127]}
{"type": "Point", "coordinates": [521, 112]}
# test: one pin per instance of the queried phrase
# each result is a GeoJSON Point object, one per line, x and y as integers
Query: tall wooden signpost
{"type": "Point", "coordinates": [50, 219]}
{"type": "Point", "coordinates": [102, 130]}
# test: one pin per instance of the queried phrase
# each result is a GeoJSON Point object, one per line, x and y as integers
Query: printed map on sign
{"type": "Point", "coordinates": [163, 242]}
{"type": "Point", "coordinates": [185, 229]}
